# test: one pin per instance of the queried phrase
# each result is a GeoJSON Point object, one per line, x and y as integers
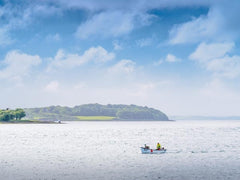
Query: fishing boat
{"type": "Point", "coordinates": [152, 151]}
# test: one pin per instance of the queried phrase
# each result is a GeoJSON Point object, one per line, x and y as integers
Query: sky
{"type": "Point", "coordinates": [179, 56]}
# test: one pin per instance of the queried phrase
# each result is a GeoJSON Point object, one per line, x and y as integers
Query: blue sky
{"type": "Point", "coordinates": [180, 56]}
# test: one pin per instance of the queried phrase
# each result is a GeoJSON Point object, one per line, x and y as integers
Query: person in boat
{"type": "Point", "coordinates": [146, 147]}
{"type": "Point", "coordinates": [158, 146]}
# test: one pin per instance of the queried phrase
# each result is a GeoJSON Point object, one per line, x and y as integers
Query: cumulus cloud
{"type": "Point", "coordinates": [144, 42]}
{"type": "Point", "coordinates": [53, 37]}
{"type": "Point", "coordinates": [111, 23]}
{"type": "Point", "coordinates": [124, 66]}
{"type": "Point", "coordinates": [220, 24]}
{"type": "Point", "coordinates": [129, 14]}
{"type": "Point", "coordinates": [65, 60]}
{"type": "Point", "coordinates": [206, 52]}
{"type": "Point", "coordinates": [5, 38]}
{"type": "Point", "coordinates": [117, 46]}
{"type": "Point", "coordinates": [215, 58]}
{"type": "Point", "coordinates": [196, 30]}
{"type": "Point", "coordinates": [17, 65]}
{"type": "Point", "coordinates": [227, 66]}
{"type": "Point", "coordinates": [15, 16]}
{"type": "Point", "coordinates": [170, 58]}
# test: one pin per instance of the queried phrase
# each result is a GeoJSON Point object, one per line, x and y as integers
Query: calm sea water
{"type": "Point", "coordinates": [110, 150]}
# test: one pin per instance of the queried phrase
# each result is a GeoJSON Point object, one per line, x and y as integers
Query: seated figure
{"type": "Point", "coordinates": [146, 147]}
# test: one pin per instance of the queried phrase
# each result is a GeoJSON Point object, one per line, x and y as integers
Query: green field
{"type": "Point", "coordinates": [95, 118]}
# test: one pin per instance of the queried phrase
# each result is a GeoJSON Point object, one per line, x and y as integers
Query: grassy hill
{"type": "Point", "coordinates": [88, 112]}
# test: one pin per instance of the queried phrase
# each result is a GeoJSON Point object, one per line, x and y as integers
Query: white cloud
{"type": "Point", "coordinates": [17, 65]}
{"type": "Point", "coordinates": [124, 66]}
{"type": "Point", "coordinates": [5, 38]}
{"type": "Point", "coordinates": [129, 14]}
{"type": "Point", "coordinates": [53, 86]}
{"type": "Point", "coordinates": [215, 58]}
{"type": "Point", "coordinates": [20, 15]}
{"type": "Point", "coordinates": [95, 54]}
{"type": "Point", "coordinates": [227, 66]}
{"type": "Point", "coordinates": [171, 58]}
{"type": "Point", "coordinates": [205, 52]}
{"type": "Point", "coordinates": [113, 23]}
{"type": "Point", "coordinates": [195, 30]}
{"type": "Point", "coordinates": [98, 54]}
{"type": "Point", "coordinates": [157, 63]}
{"type": "Point", "coordinates": [117, 46]}
{"type": "Point", "coordinates": [44, 10]}
{"type": "Point", "coordinates": [144, 42]}
{"type": "Point", "coordinates": [53, 37]}
{"type": "Point", "coordinates": [220, 24]}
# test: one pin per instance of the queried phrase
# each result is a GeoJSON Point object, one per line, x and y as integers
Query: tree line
{"type": "Point", "coordinates": [128, 112]}
{"type": "Point", "coordinates": [8, 115]}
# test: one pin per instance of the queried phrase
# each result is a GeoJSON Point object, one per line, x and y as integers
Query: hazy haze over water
{"type": "Point", "coordinates": [110, 150]}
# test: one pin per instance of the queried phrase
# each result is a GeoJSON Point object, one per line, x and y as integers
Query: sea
{"type": "Point", "coordinates": [111, 150]}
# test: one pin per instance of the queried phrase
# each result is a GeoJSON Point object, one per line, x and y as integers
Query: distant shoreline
{"type": "Point", "coordinates": [28, 122]}
{"type": "Point", "coordinates": [205, 117]}
{"type": "Point", "coordinates": [119, 120]}
{"type": "Point", "coordinates": [54, 122]}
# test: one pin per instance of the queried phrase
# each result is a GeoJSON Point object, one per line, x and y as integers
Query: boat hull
{"type": "Point", "coordinates": [152, 151]}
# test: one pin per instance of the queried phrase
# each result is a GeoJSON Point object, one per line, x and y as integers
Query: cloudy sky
{"type": "Point", "coordinates": [180, 56]}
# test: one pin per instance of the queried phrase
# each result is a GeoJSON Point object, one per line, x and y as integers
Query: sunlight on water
{"type": "Point", "coordinates": [110, 150]}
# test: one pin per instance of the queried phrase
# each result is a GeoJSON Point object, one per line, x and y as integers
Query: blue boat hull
{"type": "Point", "coordinates": [152, 151]}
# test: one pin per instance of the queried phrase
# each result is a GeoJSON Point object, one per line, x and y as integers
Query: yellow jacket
{"type": "Point", "coordinates": [158, 146]}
